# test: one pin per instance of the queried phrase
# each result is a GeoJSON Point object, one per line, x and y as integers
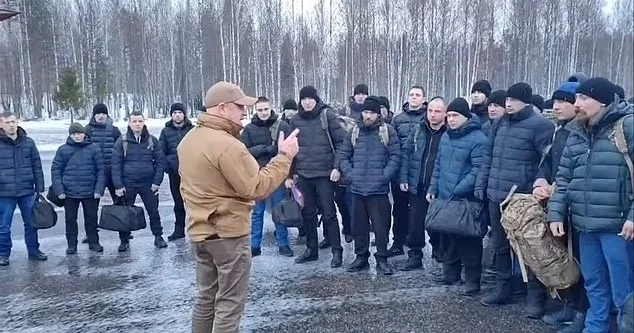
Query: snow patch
{"type": "Point", "coordinates": [64, 124]}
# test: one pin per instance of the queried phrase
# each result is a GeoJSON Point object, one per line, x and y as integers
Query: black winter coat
{"type": "Point", "coordinates": [316, 158]}
{"type": "Point", "coordinates": [370, 164]}
{"type": "Point", "coordinates": [405, 121]}
{"type": "Point", "coordinates": [258, 139]}
{"type": "Point", "coordinates": [550, 165]}
{"type": "Point", "coordinates": [104, 136]}
{"type": "Point", "coordinates": [20, 166]}
{"type": "Point", "coordinates": [514, 149]}
{"type": "Point", "coordinates": [78, 170]}
{"type": "Point", "coordinates": [141, 166]}
{"type": "Point", "coordinates": [169, 139]}
{"type": "Point", "coordinates": [482, 111]}
{"type": "Point", "coordinates": [418, 156]}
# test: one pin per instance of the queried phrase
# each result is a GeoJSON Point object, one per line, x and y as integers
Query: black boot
{"type": "Point", "coordinates": [337, 258]}
{"type": "Point", "coordinates": [179, 233]}
{"type": "Point", "coordinates": [159, 242]}
{"type": "Point", "coordinates": [447, 281]}
{"type": "Point", "coordinates": [360, 263]}
{"type": "Point", "coordinates": [395, 250]}
{"type": "Point", "coordinates": [72, 246]}
{"type": "Point", "coordinates": [286, 251]}
{"type": "Point", "coordinates": [577, 326]}
{"type": "Point", "coordinates": [348, 238]}
{"type": "Point", "coordinates": [414, 261]}
{"type": "Point", "coordinates": [95, 247]}
{"type": "Point", "coordinates": [536, 299]}
{"type": "Point", "coordinates": [124, 246]}
{"type": "Point", "coordinates": [563, 316]}
{"type": "Point", "coordinates": [383, 267]}
{"type": "Point", "coordinates": [324, 244]}
{"type": "Point", "coordinates": [471, 289]}
{"type": "Point", "coordinates": [4, 261]}
{"type": "Point", "coordinates": [38, 256]}
{"type": "Point", "coordinates": [308, 255]}
{"type": "Point", "coordinates": [500, 296]}
{"type": "Point", "coordinates": [256, 251]}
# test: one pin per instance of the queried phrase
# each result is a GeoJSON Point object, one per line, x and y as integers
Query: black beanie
{"type": "Point", "coordinates": [482, 86]}
{"type": "Point", "coordinates": [548, 104]}
{"type": "Point", "coordinates": [290, 105]}
{"type": "Point", "coordinates": [76, 128]}
{"type": "Point", "coordinates": [308, 92]}
{"type": "Point", "coordinates": [599, 89]}
{"type": "Point", "coordinates": [461, 106]}
{"type": "Point", "coordinates": [538, 101]}
{"type": "Point", "coordinates": [372, 103]}
{"type": "Point", "coordinates": [498, 97]}
{"type": "Point", "coordinates": [99, 108]}
{"type": "Point", "coordinates": [361, 89]}
{"type": "Point", "coordinates": [178, 107]}
{"type": "Point", "coordinates": [384, 102]}
{"type": "Point", "coordinates": [620, 91]}
{"type": "Point", "coordinates": [521, 91]}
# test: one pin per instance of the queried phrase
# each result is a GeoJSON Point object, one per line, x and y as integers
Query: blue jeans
{"type": "Point", "coordinates": [257, 220]}
{"type": "Point", "coordinates": [7, 208]}
{"type": "Point", "coordinates": [607, 264]}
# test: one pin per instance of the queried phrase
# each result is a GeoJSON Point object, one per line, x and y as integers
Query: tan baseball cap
{"type": "Point", "coordinates": [226, 92]}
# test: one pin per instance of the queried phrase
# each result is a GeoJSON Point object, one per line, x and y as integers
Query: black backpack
{"type": "Point", "coordinates": [288, 212]}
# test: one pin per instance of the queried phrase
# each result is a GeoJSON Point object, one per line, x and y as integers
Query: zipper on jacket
{"type": "Point", "coordinates": [431, 142]}
{"type": "Point", "coordinates": [588, 171]}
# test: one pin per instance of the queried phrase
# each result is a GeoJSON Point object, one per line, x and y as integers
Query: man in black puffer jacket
{"type": "Point", "coordinates": [21, 179]}
{"type": "Point", "coordinates": [480, 92]}
{"type": "Point", "coordinates": [174, 131]}
{"type": "Point", "coordinates": [317, 168]}
{"type": "Point", "coordinates": [414, 111]}
{"type": "Point", "coordinates": [78, 178]}
{"type": "Point", "coordinates": [138, 164]}
{"type": "Point", "coordinates": [515, 146]}
{"type": "Point", "coordinates": [496, 109]}
{"type": "Point", "coordinates": [369, 159]}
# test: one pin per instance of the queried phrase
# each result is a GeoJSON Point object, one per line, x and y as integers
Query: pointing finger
{"type": "Point", "coordinates": [281, 137]}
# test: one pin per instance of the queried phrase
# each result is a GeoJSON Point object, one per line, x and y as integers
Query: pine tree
{"type": "Point", "coordinates": [69, 95]}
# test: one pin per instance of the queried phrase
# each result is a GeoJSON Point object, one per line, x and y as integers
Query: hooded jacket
{"type": "Point", "coordinates": [78, 170]}
{"type": "Point", "coordinates": [20, 166]}
{"type": "Point", "coordinates": [104, 136]}
{"type": "Point", "coordinates": [142, 165]}
{"type": "Point", "coordinates": [593, 182]}
{"type": "Point", "coordinates": [169, 139]}
{"type": "Point", "coordinates": [220, 179]}
{"type": "Point", "coordinates": [256, 136]}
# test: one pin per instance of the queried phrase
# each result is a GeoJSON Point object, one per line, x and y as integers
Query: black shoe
{"type": "Point", "coordinates": [563, 316]}
{"type": "Point", "coordinates": [124, 247]}
{"type": "Point", "coordinates": [96, 247]}
{"type": "Point", "coordinates": [324, 244]}
{"type": "Point", "coordinates": [394, 251]}
{"type": "Point", "coordinates": [383, 267]}
{"type": "Point", "coordinates": [441, 279]}
{"type": "Point", "coordinates": [286, 251]}
{"type": "Point", "coordinates": [413, 262]}
{"type": "Point", "coordinates": [38, 256]}
{"type": "Point", "coordinates": [4, 261]}
{"type": "Point", "coordinates": [536, 300]}
{"type": "Point", "coordinates": [577, 326]}
{"type": "Point", "coordinates": [256, 251]}
{"type": "Point", "coordinates": [348, 238]}
{"type": "Point", "coordinates": [337, 259]}
{"type": "Point", "coordinates": [307, 256]}
{"type": "Point", "coordinates": [499, 297]}
{"type": "Point", "coordinates": [159, 242]}
{"type": "Point", "coordinates": [471, 289]}
{"type": "Point", "coordinates": [84, 240]}
{"type": "Point", "coordinates": [360, 263]}
{"type": "Point", "coordinates": [175, 236]}
{"type": "Point", "coordinates": [71, 250]}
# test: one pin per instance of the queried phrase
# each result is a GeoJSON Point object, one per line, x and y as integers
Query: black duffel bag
{"type": "Point", "coordinates": [44, 215]}
{"type": "Point", "coordinates": [122, 218]}
{"type": "Point", "coordinates": [52, 197]}
{"type": "Point", "coordinates": [457, 217]}
{"type": "Point", "coordinates": [288, 212]}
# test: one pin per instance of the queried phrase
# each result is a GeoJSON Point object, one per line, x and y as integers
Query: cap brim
{"type": "Point", "coordinates": [246, 100]}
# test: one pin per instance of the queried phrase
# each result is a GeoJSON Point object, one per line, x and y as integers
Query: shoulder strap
{"type": "Point", "coordinates": [124, 143]}
{"type": "Point", "coordinates": [348, 111]}
{"type": "Point", "coordinates": [355, 135]}
{"type": "Point", "coordinates": [416, 134]}
{"type": "Point", "coordinates": [71, 157]}
{"type": "Point", "coordinates": [150, 144]}
{"type": "Point", "coordinates": [620, 142]}
{"type": "Point", "coordinates": [384, 134]}
{"type": "Point", "coordinates": [274, 130]}
{"type": "Point", "coordinates": [323, 116]}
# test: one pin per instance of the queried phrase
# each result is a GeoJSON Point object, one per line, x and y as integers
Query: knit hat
{"type": "Point", "coordinates": [482, 86]}
{"type": "Point", "coordinates": [308, 92]}
{"type": "Point", "coordinates": [372, 103]}
{"type": "Point", "coordinates": [290, 105]}
{"type": "Point", "coordinates": [498, 97]}
{"type": "Point", "coordinates": [548, 104]}
{"type": "Point", "coordinates": [361, 89]}
{"type": "Point", "coordinates": [580, 77]}
{"type": "Point", "coordinates": [461, 106]}
{"type": "Point", "coordinates": [620, 91]}
{"type": "Point", "coordinates": [99, 108]}
{"type": "Point", "coordinates": [76, 128]}
{"type": "Point", "coordinates": [566, 92]}
{"type": "Point", "coordinates": [521, 91]}
{"type": "Point", "coordinates": [538, 101]}
{"type": "Point", "coordinates": [384, 102]}
{"type": "Point", "coordinates": [599, 89]}
{"type": "Point", "coordinates": [178, 107]}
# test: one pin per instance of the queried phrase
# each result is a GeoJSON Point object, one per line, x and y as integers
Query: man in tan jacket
{"type": "Point", "coordinates": [220, 180]}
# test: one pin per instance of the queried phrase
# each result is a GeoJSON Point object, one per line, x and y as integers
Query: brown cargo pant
{"type": "Point", "coordinates": [222, 276]}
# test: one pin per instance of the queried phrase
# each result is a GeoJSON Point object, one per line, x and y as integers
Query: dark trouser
{"type": "Point", "coordinates": [462, 251]}
{"type": "Point", "coordinates": [342, 199]}
{"type": "Point", "coordinates": [110, 185]}
{"type": "Point", "coordinates": [400, 213]}
{"type": "Point", "coordinates": [90, 207]}
{"type": "Point", "coordinates": [319, 193]}
{"type": "Point", "coordinates": [179, 207]}
{"type": "Point", "coordinates": [501, 247]}
{"type": "Point", "coordinates": [375, 208]}
{"type": "Point", "coordinates": [150, 201]}
{"type": "Point", "coordinates": [416, 234]}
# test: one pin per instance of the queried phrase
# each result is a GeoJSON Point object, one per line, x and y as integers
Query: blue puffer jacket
{"type": "Point", "coordinates": [104, 135]}
{"type": "Point", "coordinates": [142, 166]}
{"type": "Point", "coordinates": [370, 165]}
{"type": "Point", "coordinates": [170, 137]}
{"type": "Point", "coordinates": [514, 149]}
{"type": "Point", "coordinates": [20, 166]}
{"type": "Point", "coordinates": [593, 182]}
{"type": "Point", "coordinates": [458, 161]}
{"type": "Point", "coordinates": [78, 170]}
{"type": "Point", "coordinates": [413, 168]}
